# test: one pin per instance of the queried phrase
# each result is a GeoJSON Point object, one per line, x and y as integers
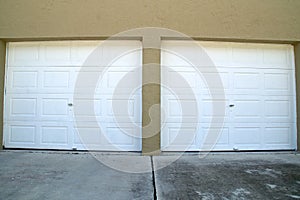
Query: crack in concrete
{"type": "Point", "coordinates": [153, 179]}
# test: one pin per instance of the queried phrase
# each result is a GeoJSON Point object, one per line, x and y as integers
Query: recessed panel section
{"type": "Point", "coordinates": [122, 79]}
{"type": "Point", "coordinates": [25, 52]}
{"type": "Point", "coordinates": [120, 135]}
{"type": "Point", "coordinates": [249, 136]}
{"type": "Point", "coordinates": [182, 108]}
{"type": "Point", "coordinates": [276, 81]}
{"type": "Point", "coordinates": [57, 52]}
{"type": "Point", "coordinates": [221, 133]}
{"type": "Point", "coordinates": [182, 136]}
{"type": "Point", "coordinates": [24, 79]}
{"type": "Point", "coordinates": [54, 107]}
{"type": "Point", "coordinates": [277, 135]}
{"type": "Point", "coordinates": [219, 54]}
{"type": "Point", "coordinates": [172, 59]}
{"type": "Point", "coordinates": [216, 80]}
{"type": "Point", "coordinates": [23, 107]}
{"type": "Point", "coordinates": [245, 54]}
{"type": "Point", "coordinates": [22, 134]}
{"type": "Point", "coordinates": [180, 79]}
{"type": "Point", "coordinates": [125, 53]}
{"type": "Point", "coordinates": [56, 79]}
{"type": "Point", "coordinates": [244, 80]}
{"type": "Point", "coordinates": [276, 56]}
{"type": "Point", "coordinates": [120, 107]}
{"type": "Point", "coordinates": [210, 107]}
{"type": "Point", "coordinates": [87, 107]}
{"type": "Point", "coordinates": [247, 108]}
{"type": "Point", "coordinates": [277, 108]}
{"type": "Point", "coordinates": [88, 136]}
{"type": "Point", "coordinates": [54, 135]}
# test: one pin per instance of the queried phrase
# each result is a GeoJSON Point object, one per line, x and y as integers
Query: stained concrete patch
{"type": "Point", "coordinates": [70, 176]}
{"type": "Point", "coordinates": [268, 172]}
{"type": "Point", "coordinates": [237, 176]}
{"type": "Point", "coordinates": [293, 196]}
{"type": "Point", "coordinates": [271, 186]}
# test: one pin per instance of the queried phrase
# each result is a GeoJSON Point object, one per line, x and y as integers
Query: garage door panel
{"type": "Point", "coordinates": [23, 107]}
{"type": "Point", "coordinates": [22, 134]}
{"type": "Point", "coordinates": [179, 111]}
{"type": "Point", "coordinates": [207, 107]}
{"type": "Point", "coordinates": [39, 80]}
{"type": "Point", "coordinates": [18, 107]}
{"type": "Point", "coordinates": [279, 134]}
{"type": "Point", "coordinates": [247, 80]}
{"type": "Point", "coordinates": [247, 136]}
{"type": "Point", "coordinates": [260, 56]}
{"type": "Point", "coordinates": [41, 135]}
{"type": "Point", "coordinates": [218, 54]}
{"type": "Point", "coordinates": [245, 54]}
{"type": "Point", "coordinates": [56, 135]}
{"type": "Point", "coordinates": [130, 52]}
{"type": "Point", "coordinates": [212, 76]}
{"type": "Point", "coordinates": [221, 142]}
{"type": "Point", "coordinates": [88, 108]}
{"type": "Point", "coordinates": [57, 54]}
{"type": "Point", "coordinates": [259, 86]}
{"type": "Point", "coordinates": [108, 137]}
{"type": "Point", "coordinates": [21, 53]}
{"type": "Point", "coordinates": [279, 83]}
{"type": "Point", "coordinates": [180, 80]}
{"type": "Point", "coordinates": [86, 136]}
{"type": "Point", "coordinates": [277, 55]}
{"type": "Point", "coordinates": [177, 138]}
{"type": "Point", "coordinates": [126, 79]}
{"type": "Point", "coordinates": [24, 79]}
{"type": "Point", "coordinates": [55, 108]}
{"type": "Point", "coordinates": [40, 107]}
{"type": "Point", "coordinates": [247, 109]}
{"type": "Point", "coordinates": [82, 50]}
{"type": "Point", "coordinates": [279, 110]}
{"type": "Point", "coordinates": [56, 79]}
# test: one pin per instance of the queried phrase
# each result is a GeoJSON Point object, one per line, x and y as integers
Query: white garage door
{"type": "Point", "coordinates": [40, 100]}
{"type": "Point", "coordinates": [259, 86]}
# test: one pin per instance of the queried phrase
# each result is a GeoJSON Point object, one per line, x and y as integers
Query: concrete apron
{"type": "Point", "coordinates": [84, 175]}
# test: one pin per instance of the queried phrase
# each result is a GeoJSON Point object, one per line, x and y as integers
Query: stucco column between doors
{"type": "Point", "coordinates": [297, 72]}
{"type": "Point", "coordinates": [151, 100]}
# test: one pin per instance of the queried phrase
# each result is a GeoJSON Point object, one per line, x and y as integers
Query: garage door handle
{"type": "Point", "coordinates": [70, 104]}
{"type": "Point", "coordinates": [231, 105]}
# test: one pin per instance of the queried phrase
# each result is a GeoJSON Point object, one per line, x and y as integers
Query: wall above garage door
{"type": "Point", "coordinates": [236, 19]}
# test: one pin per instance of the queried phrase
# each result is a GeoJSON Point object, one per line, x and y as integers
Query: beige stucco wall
{"type": "Point", "coordinates": [237, 19]}
{"type": "Point", "coordinates": [151, 102]}
{"type": "Point", "coordinates": [234, 20]}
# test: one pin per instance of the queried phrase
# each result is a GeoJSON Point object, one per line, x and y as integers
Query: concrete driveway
{"type": "Point", "coordinates": [69, 175]}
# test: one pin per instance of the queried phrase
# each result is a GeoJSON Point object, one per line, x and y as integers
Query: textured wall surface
{"type": "Point", "coordinates": [238, 19]}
